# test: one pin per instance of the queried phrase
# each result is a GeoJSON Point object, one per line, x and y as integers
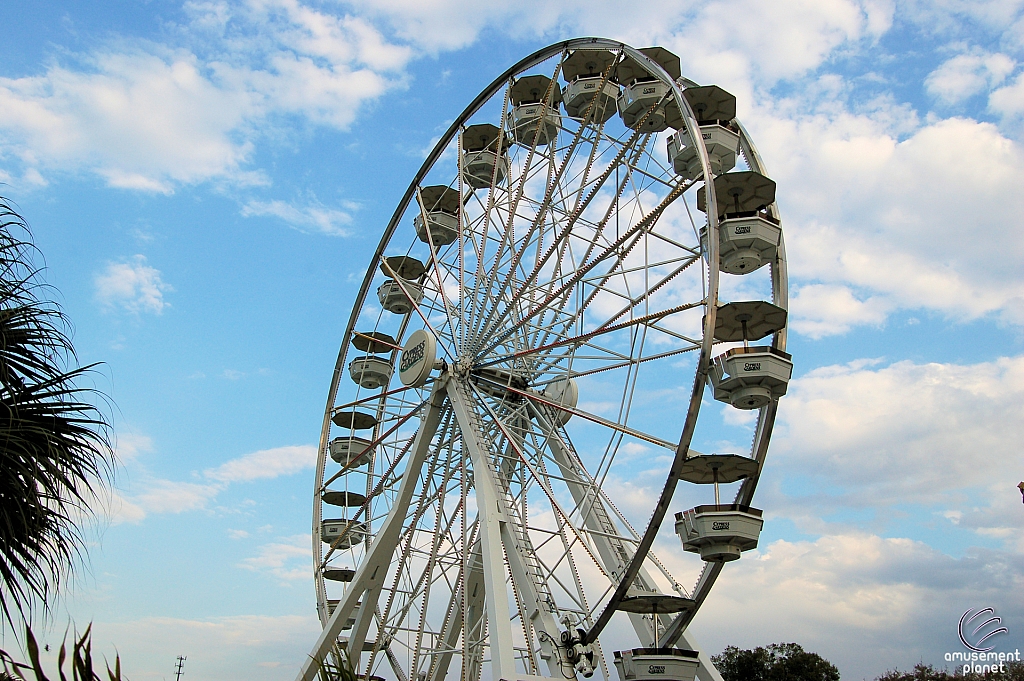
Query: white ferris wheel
{"type": "Point", "coordinates": [547, 293]}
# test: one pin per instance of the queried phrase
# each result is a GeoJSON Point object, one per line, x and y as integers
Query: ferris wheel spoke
{"type": "Point", "coordinates": [421, 507]}
{"type": "Point", "coordinates": [574, 342]}
{"type": "Point", "coordinates": [561, 240]}
{"type": "Point", "coordinates": [537, 398]}
{"type": "Point", "coordinates": [435, 547]}
{"type": "Point", "coordinates": [607, 325]}
{"type": "Point", "coordinates": [517, 450]}
{"type": "Point", "coordinates": [566, 230]}
{"type": "Point", "coordinates": [646, 223]}
{"type": "Point", "coordinates": [465, 604]}
{"type": "Point", "coordinates": [553, 184]}
{"type": "Point", "coordinates": [508, 236]}
{"type": "Point", "coordinates": [615, 550]}
{"type": "Point", "coordinates": [379, 396]}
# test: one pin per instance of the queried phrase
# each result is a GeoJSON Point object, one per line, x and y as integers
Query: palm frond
{"type": "Point", "coordinates": [54, 442]}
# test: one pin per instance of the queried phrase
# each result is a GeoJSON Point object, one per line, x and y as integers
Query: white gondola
{"type": "Point", "coordinates": [579, 94]}
{"type": "Point", "coordinates": [661, 664]}
{"type": "Point", "coordinates": [399, 298]}
{"type": "Point", "coordinates": [534, 115]}
{"type": "Point", "coordinates": [343, 499]}
{"type": "Point", "coordinates": [332, 603]}
{"type": "Point", "coordinates": [715, 110]}
{"type": "Point", "coordinates": [370, 372]}
{"type": "Point", "coordinates": [358, 420]}
{"type": "Point", "coordinates": [719, 533]}
{"type": "Point", "coordinates": [351, 452]}
{"type": "Point", "coordinates": [644, 99]}
{"type": "Point", "coordinates": [748, 236]}
{"type": "Point", "coordinates": [403, 266]}
{"type": "Point", "coordinates": [588, 92]}
{"type": "Point", "coordinates": [440, 216]}
{"type": "Point", "coordinates": [444, 227]}
{"type": "Point", "coordinates": [337, 574]}
{"type": "Point", "coordinates": [746, 243]}
{"type": "Point", "coordinates": [721, 143]}
{"type": "Point", "coordinates": [750, 377]}
{"type": "Point", "coordinates": [483, 156]}
{"type": "Point", "coordinates": [342, 533]}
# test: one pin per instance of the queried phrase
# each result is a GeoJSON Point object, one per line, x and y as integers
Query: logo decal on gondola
{"type": "Point", "coordinates": [656, 669]}
{"type": "Point", "coordinates": [719, 525]}
{"type": "Point", "coordinates": [752, 366]}
{"type": "Point", "coordinates": [742, 229]}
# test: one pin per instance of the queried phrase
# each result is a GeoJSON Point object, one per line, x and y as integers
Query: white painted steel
{"type": "Point", "coordinates": [565, 266]}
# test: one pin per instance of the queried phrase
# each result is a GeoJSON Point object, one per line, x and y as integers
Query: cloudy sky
{"type": "Point", "coordinates": [207, 182]}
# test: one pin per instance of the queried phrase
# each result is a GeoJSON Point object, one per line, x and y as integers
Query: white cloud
{"type": "Point", "coordinates": [731, 37]}
{"type": "Point", "coordinates": [968, 74]}
{"type": "Point", "coordinates": [158, 495]}
{"type": "Point", "coordinates": [899, 599]}
{"type": "Point", "coordinates": [167, 496]}
{"type": "Point", "coordinates": [311, 217]}
{"type": "Point", "coordinates": [287, 559]}
{"type": "Point", "coordinates": [249, 646]}
{"type": "Point", "coordinates": [151, 117]}
{"type": "Point", "coordinates": [885, 218]}
{"type": "Point", "coordinates": [819, 310]}
{"type": "Point", "coordinates": [936, 435]}
{"type": "Point", "coordinates": [1009, 100]}
{"type": "Point", "coordinates": [737, 39]}
{"type": "Point", "coordinates": [132, 285]}
{"type": "Point", "coordinates": [266, 463]}
{"type": "Point", "coordinates": [117, 509]}
{"type": "Point", "coordinates": [130, 445]}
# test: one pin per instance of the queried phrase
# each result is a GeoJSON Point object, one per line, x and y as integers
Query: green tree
{"type": "Point", "coordinates": [55, 447]}
{"type": "Point", "coordinates": [1012, 671]}
{"type": "Point", "coordinates": [775, 662]}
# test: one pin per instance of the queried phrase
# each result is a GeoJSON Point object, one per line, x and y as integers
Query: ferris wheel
{"type": "Point", "coordinates": [548, 294]}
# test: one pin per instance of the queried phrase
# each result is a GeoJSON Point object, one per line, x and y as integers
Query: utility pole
{"type": "Point", "coordinates": [181, 667]}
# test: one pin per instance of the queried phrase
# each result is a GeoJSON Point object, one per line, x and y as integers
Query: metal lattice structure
{"type": "Point", "coordinates": [542, 312]}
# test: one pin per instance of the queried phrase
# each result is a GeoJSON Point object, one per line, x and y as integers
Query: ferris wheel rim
{"type": "Point", "coordinates": [766, 414]}
{"type": "Point", "coordinates": [527, 62]}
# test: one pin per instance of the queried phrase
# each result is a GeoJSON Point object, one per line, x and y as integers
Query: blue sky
{"type": "Point", "coordinates": [208, 180]}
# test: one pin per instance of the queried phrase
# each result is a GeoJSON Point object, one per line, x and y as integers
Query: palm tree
{"type": "Point", "coordinates": [55, 446]}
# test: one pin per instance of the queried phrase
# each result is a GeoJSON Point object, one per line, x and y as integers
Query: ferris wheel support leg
{"type": "Point", "coordinates": [706, 671]}
{"type": "Point", "coordinates": [369, 578]}
{"type": "Point", "coordinates": [498, 537]}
